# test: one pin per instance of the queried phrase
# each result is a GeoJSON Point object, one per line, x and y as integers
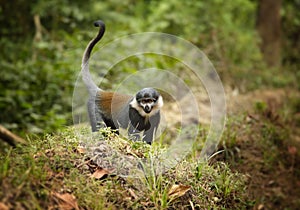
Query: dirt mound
{"type": "Point", "coordinates": [269, 151]}
{"type": "Point", "coordinates": [266, 153]}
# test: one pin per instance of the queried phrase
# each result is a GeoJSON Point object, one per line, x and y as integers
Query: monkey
{"type": "Point", "coordinates": [138, 113]}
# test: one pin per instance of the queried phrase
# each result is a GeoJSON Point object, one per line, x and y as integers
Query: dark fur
{"type": "Point", "coordinates": [139, 123]}
{"type": "Point", "coordinates": [119, 110]}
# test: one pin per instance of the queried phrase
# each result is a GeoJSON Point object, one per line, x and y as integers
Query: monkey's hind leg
{"type": "Point", "coordinates": [94, 115]}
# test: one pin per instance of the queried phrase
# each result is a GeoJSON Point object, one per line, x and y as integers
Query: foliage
{"type": "Point", "coordinates": [36, 91]}
{"type": "Point", "coordinates": [264, 144]}
{"type": "Point", "coordinates": [291, 34]}
{"type": "Point", "coordinates": [52, 168]}
{"type": "Point", "coordinates": [39, 64]}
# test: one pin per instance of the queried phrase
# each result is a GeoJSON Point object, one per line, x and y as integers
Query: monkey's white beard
{"type": "Point", "coordinates": [154, 110]}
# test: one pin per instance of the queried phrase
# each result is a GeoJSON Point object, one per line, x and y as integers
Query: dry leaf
{"type": "Point", "coordinates": [100, 173]}
{"type": "Point", "coordinates": [132, 193]}
{"type": "Point", "coordinates": [67, 201]}
{"type": "Point", "coordinates": [260, 206]}
{"type": "Point", "coordinates": [81, 150]}
{"type": "Point", "coordinates": [292, 150]}
{"type": "Point", "coordinates": [3, 206]}
{"type": "Point", "coordinates": [192, 205]}
{"type": "Point", "coordinates": [37, 155]}
{"type": "Point", "coordinates": [177, 191]}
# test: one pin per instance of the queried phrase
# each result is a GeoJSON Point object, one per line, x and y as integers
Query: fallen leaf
{"type": "Point", "coordinates": [216, 199]}
{"type": "Point", "coordinates": [81, 150]}
{"type": "Point", "coordinates": [49, 152]}
{"type": "Point", "coordinates": [37, 155]}
{"type": "Point", "coordinates": [292, 150]}
{"type": "Point", "coordinates": [3, 206]}
{"type": "Point", "coordinates": [132, 193]}
{"type": "Point", "coordinates": [260, 207]}
{"type": "Point", "coordinates": [67, 201]}
{"type": "Point", "coordinates": [177, 191]}
{"type": "Point", "coordinates": [145, 203]}
{"type": "Point", "coordinates": [100, 173]}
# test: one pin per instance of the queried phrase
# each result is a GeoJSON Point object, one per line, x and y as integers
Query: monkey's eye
{"type": "Point", "coordinates": [147, 101]}
{"type": "Point", "coordinates": [143, 101]}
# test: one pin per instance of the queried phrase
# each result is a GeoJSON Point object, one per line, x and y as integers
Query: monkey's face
{"type": "Point", "coordinates": [147, 104]}
{"type": "Point", "coordinates": [148, 101]}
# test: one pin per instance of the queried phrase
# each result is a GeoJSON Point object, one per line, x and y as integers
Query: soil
{"type": "Point", "coordinates": [274, 185]}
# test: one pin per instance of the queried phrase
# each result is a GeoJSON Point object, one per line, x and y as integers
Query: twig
{"type": "Point", "coordinates": [10, 138]}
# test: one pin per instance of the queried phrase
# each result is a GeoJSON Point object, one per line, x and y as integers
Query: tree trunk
{"type": "Point", "coordinates": [269, 29]}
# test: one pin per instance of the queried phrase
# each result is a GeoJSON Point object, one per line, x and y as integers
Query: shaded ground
{"type": "Point", "coordinates": [269, 153]}
{"type": "Point", "coordinates": [262, 140]}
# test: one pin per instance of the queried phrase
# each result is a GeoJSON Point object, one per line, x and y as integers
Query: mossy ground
{"type": "Point", "coordinates": [257, 167]}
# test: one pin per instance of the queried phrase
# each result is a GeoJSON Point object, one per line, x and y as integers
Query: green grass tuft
{"type": "Point", "coordinates": [33, 176]}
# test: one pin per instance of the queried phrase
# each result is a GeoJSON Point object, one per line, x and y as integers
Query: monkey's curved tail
{"type": "Point", "coordinates": [86, 76]}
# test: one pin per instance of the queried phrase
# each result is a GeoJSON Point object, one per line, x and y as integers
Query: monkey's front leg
{"type": "Point", "coordinates": [153, 125]}
{"type": "Point", "coordinates": [133, 133]}
{"type": "Point", "coordinates": [149, 135]}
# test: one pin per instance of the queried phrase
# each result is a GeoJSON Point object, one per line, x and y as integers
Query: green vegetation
{"type": "Point", "coordinates": [263, 143]}
{"type": "Point", "coordinates": [43, 44]}
{"type": "Point", "coordinates": [31, 176]}
{"type": "Point", "coordinates": [257, 162]}
{"type": "Point", "coordinates": [57, 171]}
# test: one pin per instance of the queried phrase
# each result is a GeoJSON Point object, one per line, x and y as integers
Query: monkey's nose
{"type": "Point", "coordinates": [147, 109]}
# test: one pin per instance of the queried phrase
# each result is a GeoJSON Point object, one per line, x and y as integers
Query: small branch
{"type": "Point", "coordinates": [38, 28]}
{"type": "Point", "coordinates": [10, 138]}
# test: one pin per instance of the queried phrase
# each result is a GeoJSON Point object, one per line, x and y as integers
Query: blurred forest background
{"type": "Point", "coordinates": [253, 44]}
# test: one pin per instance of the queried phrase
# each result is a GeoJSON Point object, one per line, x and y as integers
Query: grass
{"type": "Point", "coordinates": [37, 175]}
{"type": "Point", "coordinates": [262, 144]}
{"type": "Point", "coordinates": [257, 152]}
